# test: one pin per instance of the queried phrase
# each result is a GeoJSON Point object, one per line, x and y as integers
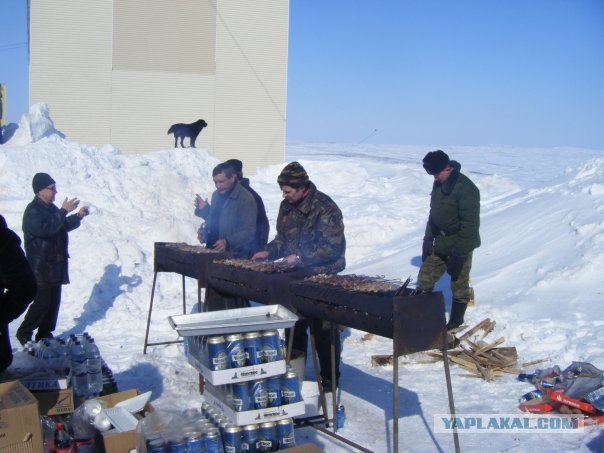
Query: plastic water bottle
{"type": "Point", "coordinates": [93, 368]}
{"type": "Point", "coordinates": [79, 372]}
{"type": "Point", "coordinates": [49, 352]}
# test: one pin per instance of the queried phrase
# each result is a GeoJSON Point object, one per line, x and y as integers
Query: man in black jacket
{"type": "Point", "coordinates": [17, 287]}
{"type": "Point", "coordinates": [46, 228]}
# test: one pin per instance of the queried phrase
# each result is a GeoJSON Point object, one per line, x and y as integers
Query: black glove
{"type": "Point", "coordinates": [455, 262]}
{"type": "Point", "coordinates": [427, 248]}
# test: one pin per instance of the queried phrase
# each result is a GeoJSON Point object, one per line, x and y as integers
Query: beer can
{"type": "Point", "coordinates": [290, 388]}
{"type": "Point", "coordinates": [221, 424]}
{"type": "Point", "coordinates": [232, 439]}
{"type": "Point", "coordinates": [531, 396]}
{"type": "Point", "coordinates": [258, 394]}
{"type": "Point", "coordinates": [176, 444]}
{"type": "Point", "coordinates": [524, 377]}
{"type": "Point", "coordinates": [340, 416]}
{"type": "Point", "coordinates": [235, 350]}
{"type": "Point", "coordinates": [194, 441]}
{"type": "Point", "coordinates": [202, 425]}
{"type": "Point", "coordinates": [273, 391]}
{"type": "Point", "coordinates": [285, 434]}
{"type": "Point", "coordinates": [217, 354]}
{"type": "Point", "coordinates": [204, 408]}
{"type": "Point", "coordinates": [212, 441]}
{"type": "Point", "coordinates": [271, 350]}
{"type": "Point", "coordinates": [253, 348]}
{"type": "Point", "coordinates": [241, 396]}
{"type": "Point", "coordinates": [267, 437]}
{"type": "Point", "coordinates": [156, 445]}
{"type": "Point", "coordinates": [249, 438]}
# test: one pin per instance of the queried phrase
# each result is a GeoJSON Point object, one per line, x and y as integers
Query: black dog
{"type": "Point", "coordinates": [181, 131]}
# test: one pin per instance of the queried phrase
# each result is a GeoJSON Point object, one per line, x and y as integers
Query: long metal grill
{"type": "Point", "coordinates": [180, 258]}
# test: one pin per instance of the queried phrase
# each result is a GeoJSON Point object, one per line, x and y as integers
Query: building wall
{"type": "Point", "coordinates": [123, 71]}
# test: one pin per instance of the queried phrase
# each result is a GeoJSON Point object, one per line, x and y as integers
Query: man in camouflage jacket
{"type": "Point", "coordinates": [451, 232]}
{"type": "Point", "coordinates": [310, 239]}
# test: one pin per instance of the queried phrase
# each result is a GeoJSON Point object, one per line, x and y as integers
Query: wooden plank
{"type": "Point", "coordinates": [481, 325]}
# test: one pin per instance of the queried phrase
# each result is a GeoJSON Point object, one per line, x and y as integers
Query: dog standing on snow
{"type": "Point", "coordinates": [181, 130]}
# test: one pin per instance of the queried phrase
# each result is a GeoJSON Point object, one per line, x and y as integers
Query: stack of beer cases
{"type": "Point", "coordinates": [248, 384]}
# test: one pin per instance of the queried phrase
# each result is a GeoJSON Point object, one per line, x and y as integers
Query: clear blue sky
{"type": "Point", "coordinates": [437, 72]}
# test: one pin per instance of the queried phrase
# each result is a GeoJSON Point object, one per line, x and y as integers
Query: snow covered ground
{"type": "Point", "coordinates": [538, 273]}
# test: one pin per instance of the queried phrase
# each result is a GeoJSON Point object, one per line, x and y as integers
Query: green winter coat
{"type": "Point", "coordinates": [314, 230]}
{"type": "Point", "coordinates": [454, 214]}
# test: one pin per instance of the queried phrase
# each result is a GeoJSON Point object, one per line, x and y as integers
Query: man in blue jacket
{"type": "Point", "coordinates": [230, 224]}
{"type": "Point", "coordinates": [46, 228]}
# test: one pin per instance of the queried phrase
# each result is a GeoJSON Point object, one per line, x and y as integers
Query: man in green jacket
{"type": "Point", "coordinates": [451, 232]}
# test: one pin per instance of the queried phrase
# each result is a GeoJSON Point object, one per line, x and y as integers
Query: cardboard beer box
{"type": "Point", "coordinates": [55, 402]}
{"type": "Point", "coordinates": [121, 442]}
{"type": "Point", "coordinates": [269, 414]}
{"type": "Point", "coordinates": [20, 430]}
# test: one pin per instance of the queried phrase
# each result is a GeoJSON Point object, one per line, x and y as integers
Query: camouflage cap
{"type": "Point", "coordinates": [293, 175]}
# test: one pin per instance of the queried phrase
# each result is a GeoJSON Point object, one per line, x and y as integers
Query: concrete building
{"type": "Point", "coordinates": [123, 71]}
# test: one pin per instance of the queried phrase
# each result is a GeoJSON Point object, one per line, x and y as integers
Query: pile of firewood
{"type": "Point", "coordinates": [483, 359]}
{"type": "Point", "coordinates": [469, 349]}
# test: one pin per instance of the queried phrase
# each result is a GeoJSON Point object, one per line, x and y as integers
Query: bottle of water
{"type": "Point", "coordinates": [79, 372]}
{"type": "Point", "coordinates": [93, 369]}
{"type": "Point", "coordinates": [49, 352]}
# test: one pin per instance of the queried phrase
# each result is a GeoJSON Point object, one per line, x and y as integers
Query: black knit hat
{"type": "Point", "coordinates": [435, 162]}
{"type": "Point", "coordinates": [41, 181]}
{"type": "Point", "coordinates": [293, 175]}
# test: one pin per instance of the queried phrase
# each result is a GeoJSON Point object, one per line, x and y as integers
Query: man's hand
{"type": "Point", "coordinates": [200, 203]}
{"type": "Point", "coordinates": [427, 248]}
{"type": "Point", "coordinates": [83, 212]}
{"type": "Point", "coordinates": [260, 256]}
{"type": "Point", "coordinates": [70, 205]}
{"type": "Point", "coordinates": [220, 245]}
{"type": "Point", "coordinates": [455, 263]}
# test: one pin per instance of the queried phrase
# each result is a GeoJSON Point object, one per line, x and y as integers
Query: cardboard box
{"type": "Point", "coordinates": [270, 414]}
{"type": "Point", "coordinates": [20, 430]}
{"type": "Point", "coordinates": [233, 375]}
{"type": "Point", "coordinates": [121, 442]}
{"type": "Point", "coordinates": [56, 402]}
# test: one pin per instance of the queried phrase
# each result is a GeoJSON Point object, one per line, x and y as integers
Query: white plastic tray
{"type": "Point", "coordinates": [238, 320]}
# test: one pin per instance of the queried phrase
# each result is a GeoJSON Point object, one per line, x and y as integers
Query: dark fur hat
{"type": "Point", "coordinates": [435, 162]}
{"type": "Point", "coordinates": [293, 175]}
{"type": "Point", "coordinates": [41, 181]}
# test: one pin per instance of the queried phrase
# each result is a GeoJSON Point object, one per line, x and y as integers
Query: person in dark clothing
{"type": "Point", "coordinates": [262, 225]}
{"type": "Point", "coordinates": [230, 225]}
{"type": "Point", "coordinates": [46, 228]}
{"type": "Point", "coordinates": [17, 288]}
{"type": "Point", "coordinates": [452, 232]}
{"type": "Point", "coordinates": [310, 239]}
